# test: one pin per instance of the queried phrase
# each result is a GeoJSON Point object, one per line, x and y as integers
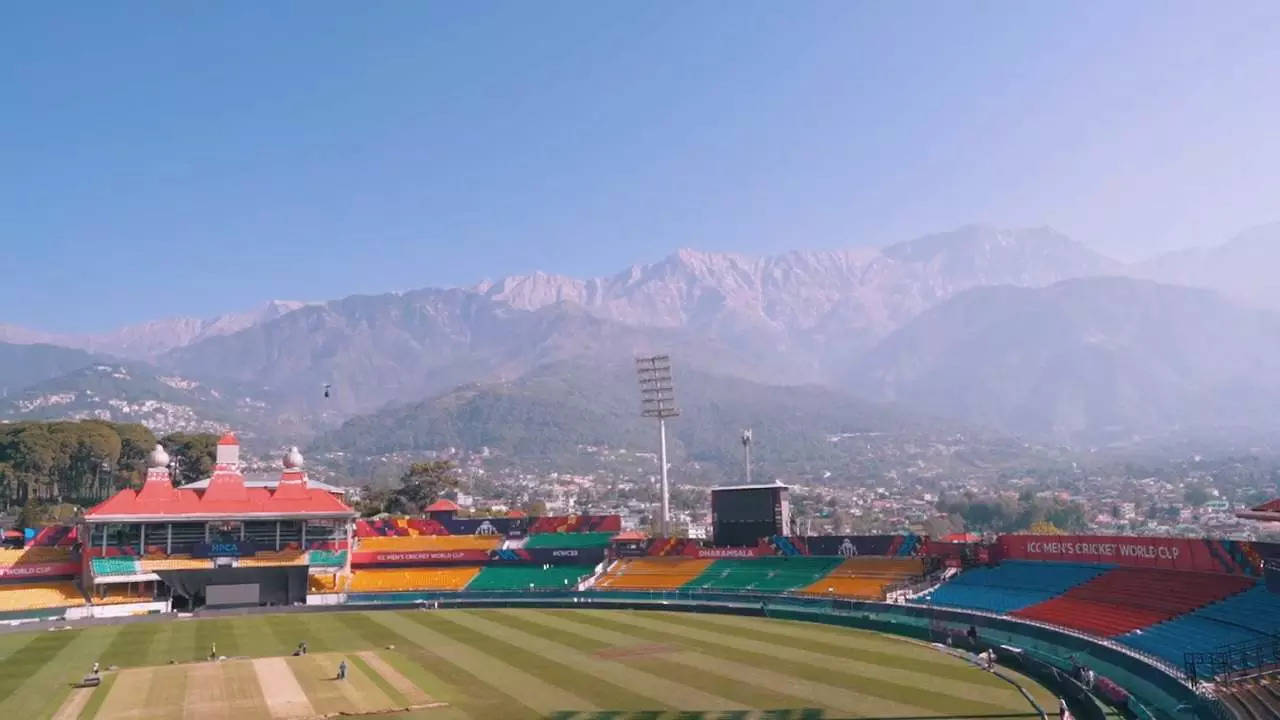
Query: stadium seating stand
{"type": "Point", "coordinates": [403, 579]}
{"type": "Point", "coordinates": [1126, 599]}
{"type": "Point", "coordinates": [764, 574]}
{"type": "Point", "coordinates": [652, 573]}
{"type": "Point", "coordinates": [1012, 585]}
{"type": "Point", "coordinates": [528, 577]}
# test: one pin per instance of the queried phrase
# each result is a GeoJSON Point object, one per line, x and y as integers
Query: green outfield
{"type": "Point", "coordinates": [474, 664]}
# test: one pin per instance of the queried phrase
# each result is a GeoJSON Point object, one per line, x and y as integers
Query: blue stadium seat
{"type": "Point", "coordinates": [1012, 585]}
{"type": "Point", "coordinates": [1249, 616]}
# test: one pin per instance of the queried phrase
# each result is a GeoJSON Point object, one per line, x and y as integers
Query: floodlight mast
{"type": "Point", "coordinates": [658, 400]}
{"type": "Point", "coordinates": [746, 450]}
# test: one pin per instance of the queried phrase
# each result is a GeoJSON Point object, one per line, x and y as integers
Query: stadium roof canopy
{"type": "Point", "coordinates": [1266, 511]}
{"type": "Point", "coordinates": [765, 486]}
{"type": "Point", "coordinates": [224, 496]}
{"type": "Point", "coordinates": [268, 482]}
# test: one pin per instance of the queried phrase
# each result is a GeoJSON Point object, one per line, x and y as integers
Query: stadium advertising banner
{"type": "Point", "coordinates": [34, 570]}
{"type": "Point", "coordinates": [408, 557]}
{"type": "Point", "coordinates": [726, 552]}
{"type": "Point", "coordinates": [1150, 552]}
{"type": "Point", "coordinates": [227, 548]}
{"type": "Point", "coordinates": [506, 527]}
{"type": "Point", "coordinates": [852, 545]}
{"type": "Point", "coordinates": [550, 556]}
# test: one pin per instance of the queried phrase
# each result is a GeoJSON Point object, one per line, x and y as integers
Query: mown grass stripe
{"type": "Point", "coordinates": [132, 645]}
{"type": "Point", "coordinates": [47, 671]}
{"type": "Point", "coordinates": [829, 640]}
{"type": "Point", "coordinates": [925, 667]}
{"type": "Point", "coordinates": [37, 651]}
{"type": "Point", "coordinates": [755, 669]}
{"type": "Point", "coordinates": [553, 671]}
{"type": "Point", "coordinates": [466, 694]}
{"type": "Point", "coordinates": [852, 692]}
{"type": "Point", "coordinates": [905, 684]}
{"type": "Point", "coordinates": [507, 687]}
{"type": "Point", "coordinates": [660, 691]}
{"type": "Point", "coordinates": [204, 639]}
{"type": "Point", "coordinates": [376, 678]}
{"type": "Point", "coordinates": [742, 694]}
{"type": "Point", "coordinates": [90, 709]}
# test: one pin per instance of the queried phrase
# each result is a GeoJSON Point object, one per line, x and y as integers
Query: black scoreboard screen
{"type": "Point", "coordinates": [740, 516]}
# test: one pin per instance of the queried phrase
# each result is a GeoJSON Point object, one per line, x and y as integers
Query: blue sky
{"type": "Point", "coordinates": [196, 158]}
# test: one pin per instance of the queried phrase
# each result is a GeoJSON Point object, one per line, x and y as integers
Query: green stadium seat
{"type": "Point", "coordinates": [328, 558]}
{"type": "Point", "coordinates": [522, 577]}
{"type": "Point", "coordinates": [103, 566]}
{"type": "Point", "coordinates": [766, 574]}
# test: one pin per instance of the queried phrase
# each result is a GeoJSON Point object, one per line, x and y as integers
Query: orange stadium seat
{"type": "Point", "coordinates": [401, 579]}
{"type": "Point", "coordinates": [409, 543]}
{"type": "Point", "coordinates": [652, 573]}
{"type": "Point", "coordinates": [27, 596]}
{"type": "Point", "coordinates": [34, 555]}
{"type": "Point", "coordinates": [326, 583]}
{"type": "Point", "coordinates": [866, 577]}
{"type": "Point", "coordinates": [274, 559]}
{"type": "Point", "coordinates": [174, 562]}
{"type": "Point", "coordinates": [123, 593]}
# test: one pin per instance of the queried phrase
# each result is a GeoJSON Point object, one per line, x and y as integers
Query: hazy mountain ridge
{"type": "Point", "coordinates": [865, 319]}
{"type": "Point", "coordinates": [25, 364]}
{"type": "Point", "coordinates": [1243, 268]}
{"type": "Point", "coordinates": [551, 413]}
{"type": "Point", "coordinates": [1084, 360]}
{"type": "Point", "coordinates": [153, 338]}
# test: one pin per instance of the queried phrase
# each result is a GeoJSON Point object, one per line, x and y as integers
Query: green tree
{"type": "Point", "coordinates": [195, 454]}
{"type": "Point", "coordinates": [422, 484]}
{"type": "Point", "coordinates": [1196, 495]}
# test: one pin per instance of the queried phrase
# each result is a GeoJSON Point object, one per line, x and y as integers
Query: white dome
{"type": "Point", "coordinates": [158, 457]}
{"type": "Point", "coordinates": [293, 459]}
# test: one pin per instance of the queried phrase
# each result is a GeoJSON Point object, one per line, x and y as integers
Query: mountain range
{"type": "Point", "coordinates": [151, 339]}
{"type": "Point", "coordinates": [1021, 331]}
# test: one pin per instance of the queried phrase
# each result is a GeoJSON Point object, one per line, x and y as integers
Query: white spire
{"type": "Point", "coordinates": [158, 457]}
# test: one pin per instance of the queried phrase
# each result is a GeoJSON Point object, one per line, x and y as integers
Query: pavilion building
{"type": "Point", "coordinates": [220, 542]}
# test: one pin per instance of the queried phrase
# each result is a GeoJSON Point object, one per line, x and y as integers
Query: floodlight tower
{"type": "Point", "coordinates": [746, 450]}
{"type": "Point", "coordinates": [658, 400]}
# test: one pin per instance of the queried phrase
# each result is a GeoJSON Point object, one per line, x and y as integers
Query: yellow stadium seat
{"type": "Point", "coordinates": [652, 573]}
{"type": "Point", "coordinates": [402, 579]}
{"type": "Point", "coordinates": [116, 594]}
{"type": "Point", "coordinates": [326, 583]}
{"type": "Point", "coordinates": [34, 555]}
{"type": "Point", "coordinates": [174, 562]}
{"type": "Point", "coordinates": [274, 559]}
{"type": "Point", "coordinates": [30, 596]}
{"type": "Point", "coordinates": [410, 543]}
{"type": "Point", "coordinates": [867, 578]}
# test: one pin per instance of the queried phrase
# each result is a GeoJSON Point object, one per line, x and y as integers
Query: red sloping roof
{"type": "Point", "coordinates": [443, 505]}
{"type": "Point", "coordinates": [1269, 506]}
{"type": "Point", "coordinates": [631, 535]}
{"type": "Point", "coordinates": [293, 484]}
{"type": "Point", "coordinates": [249, 501]}
{"type": "Point", "coordinates": [516, 514]}
{"type": "Point", "coordinates": [228, 438]}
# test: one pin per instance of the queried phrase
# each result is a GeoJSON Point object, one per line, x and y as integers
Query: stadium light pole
{"type": "Point", "coordinates": [746, 451]}
{"type": "Point", "coordinates": [658, 400]}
